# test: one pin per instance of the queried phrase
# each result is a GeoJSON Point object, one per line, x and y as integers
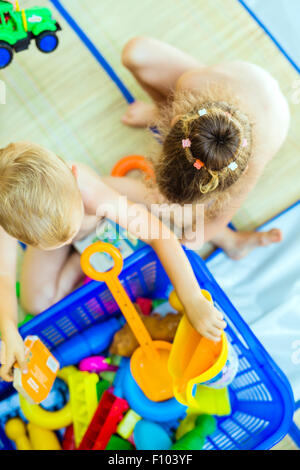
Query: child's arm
{"type": "Point", "coordinates": [12, 348]}
{"type": "Point", "coordinates": [202, 314]}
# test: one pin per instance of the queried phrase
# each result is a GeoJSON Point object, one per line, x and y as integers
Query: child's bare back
{"type": "Point", "coordinates": [259, 94]}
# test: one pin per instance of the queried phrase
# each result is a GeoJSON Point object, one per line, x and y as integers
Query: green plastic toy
{"type": "Point", "coordinates": [18, 27]}
{"type": "Point", "coordinates": [117, 443]}
{"type": "Point", "coordinates": [18, 289]}
{"type": "Point", "coordinates": [186, 425]}
{"type": "Point", "coordinates": [195, 439]}
{"type": "Point", "coordinates": [108, 375]}
{"type": "Point", "coordinates": [157, 302]}
{"type": "Point", "coordinates": [102, 386]}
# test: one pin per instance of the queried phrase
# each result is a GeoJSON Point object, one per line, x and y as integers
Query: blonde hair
{"type": "Point", "coordinates": [38, 193]}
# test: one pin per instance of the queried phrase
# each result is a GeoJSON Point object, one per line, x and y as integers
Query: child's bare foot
{"type": "Point", "coordinates": [244, 242]}
{"type": "Point", "coordinates": [140, 114]}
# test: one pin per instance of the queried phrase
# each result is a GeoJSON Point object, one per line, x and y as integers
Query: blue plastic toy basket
{"type": "Point", "coordinates": [261, 397]}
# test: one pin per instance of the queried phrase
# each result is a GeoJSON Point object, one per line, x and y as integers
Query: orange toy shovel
{"type": "Point", "coordinates": [149, 362]}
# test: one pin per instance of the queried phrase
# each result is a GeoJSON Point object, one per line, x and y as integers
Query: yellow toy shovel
{"type": "Point", "coordinates": [149, 363]}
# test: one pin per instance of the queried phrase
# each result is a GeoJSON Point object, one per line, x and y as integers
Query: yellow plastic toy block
{"type": "Point", "coordinates": [210, 401]}
{"type": "Point", "coordinates": [126, 426]}
{"type": "Point", "coordinates": [84, 401]}
{"type": "Point", "coordinates": [65, 373]}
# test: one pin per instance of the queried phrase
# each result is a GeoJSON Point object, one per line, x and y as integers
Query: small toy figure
{"type": "Point", "coordinates": [19, 27]}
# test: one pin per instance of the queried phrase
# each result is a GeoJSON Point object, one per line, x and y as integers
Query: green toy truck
{"type": "Point", "coordinates": [19, 27]}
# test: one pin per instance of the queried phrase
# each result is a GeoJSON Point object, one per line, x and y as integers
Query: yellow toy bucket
{"type": "Point", "coordinates": [195, 360]}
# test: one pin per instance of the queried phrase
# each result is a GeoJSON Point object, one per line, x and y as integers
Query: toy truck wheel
{"type": "Point", "coordinates": [6, 54]}
{"type": "Point", "coordinates": [47, 41]}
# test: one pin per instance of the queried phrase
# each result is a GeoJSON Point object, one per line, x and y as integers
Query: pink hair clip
{"type": "Point", "coordinates": [198, 164]}
{"type": "Point", "coordinates": [186, 143]}
{"type": "Point", "coordinates": [245, 143]}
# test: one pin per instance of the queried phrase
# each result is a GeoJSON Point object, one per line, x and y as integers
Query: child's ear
{"type": "Point", "coordinates": [75, 171]}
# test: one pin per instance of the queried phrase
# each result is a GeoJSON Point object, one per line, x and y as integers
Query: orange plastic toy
{"type": "Point", "coordinates": [132, 162]}
{"type": "Point", "coordinates": [149, 363]}
{"type": "Point", "coordinates": [36, 384]}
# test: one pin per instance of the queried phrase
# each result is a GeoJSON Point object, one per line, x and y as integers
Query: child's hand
{"type": "Point", "coordinates": [205, 318]}
{"type": "Point", "coordinates": [12, 350]}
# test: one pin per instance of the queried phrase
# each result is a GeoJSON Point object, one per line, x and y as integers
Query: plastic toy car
{"type": "Point", "coordinates": [19, 27]}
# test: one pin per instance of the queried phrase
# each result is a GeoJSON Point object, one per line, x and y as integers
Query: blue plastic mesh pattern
{"type": "Point", "coordinates": [262, 400]}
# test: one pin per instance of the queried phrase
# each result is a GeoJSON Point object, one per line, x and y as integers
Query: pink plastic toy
{"type": "Point", "coordinates": [96, 364]}
{"type": "Point", "coordinates": [131, 440]}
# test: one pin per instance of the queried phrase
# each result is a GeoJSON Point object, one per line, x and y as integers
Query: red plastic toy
{"type": "Point", "coordinates": [104, 423]}
{"type": "Point", "coordinates": [68, 442]}
{"type": "Point", "coordinates": [145, 305]}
